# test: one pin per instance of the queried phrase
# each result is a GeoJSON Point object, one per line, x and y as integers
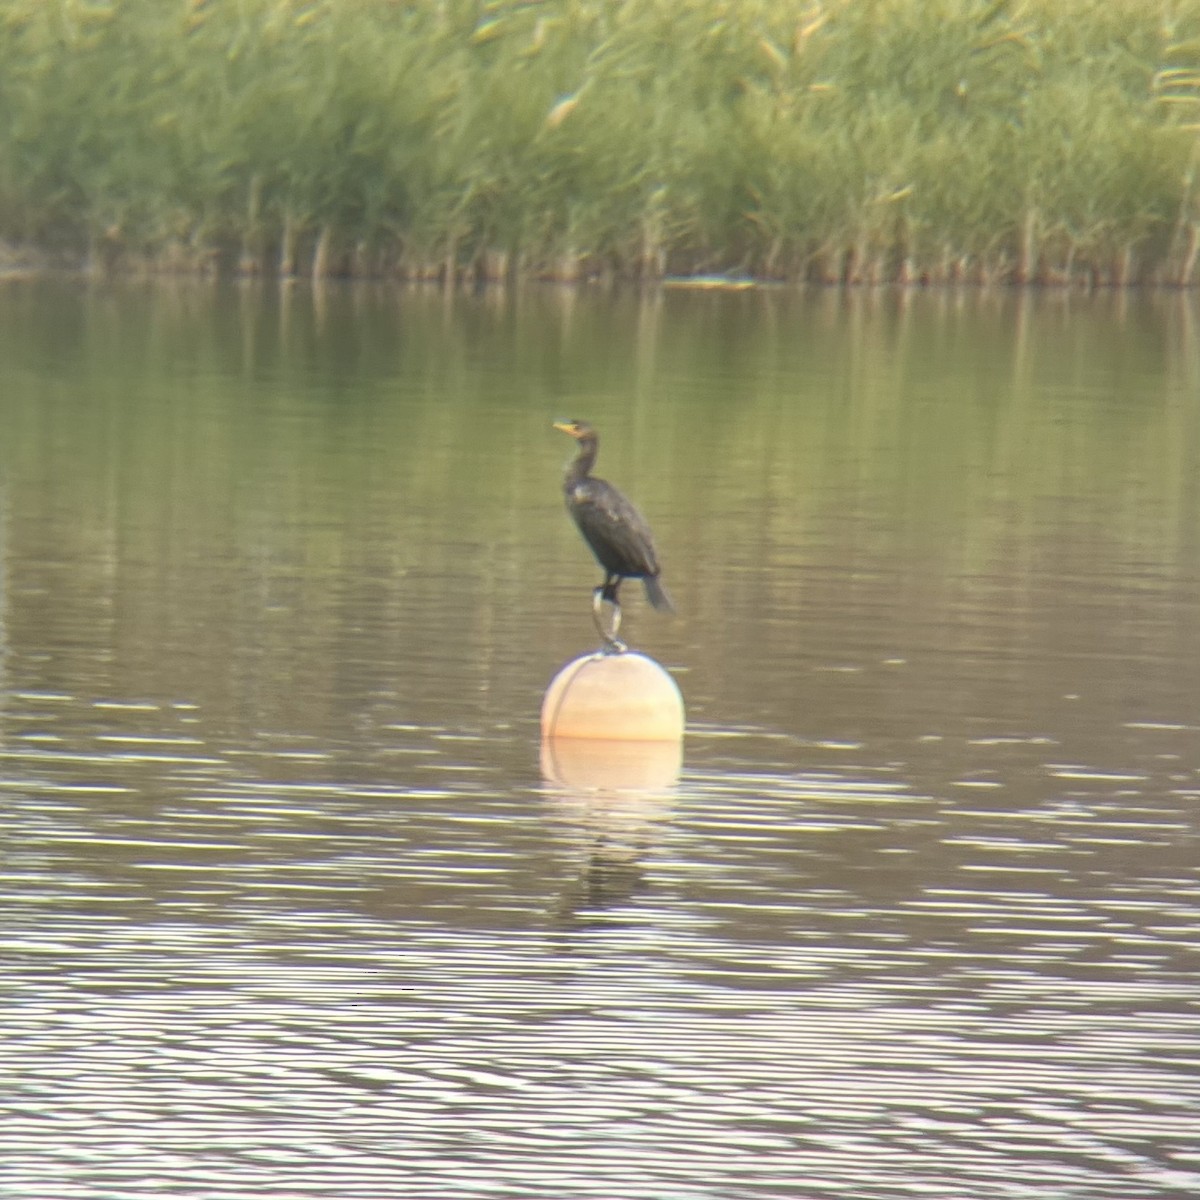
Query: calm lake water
{"type": "Point", "coordinates": [291, 909]}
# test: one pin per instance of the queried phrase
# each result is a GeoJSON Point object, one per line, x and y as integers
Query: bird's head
{"type": "Point", "coordinates": [575, 428]}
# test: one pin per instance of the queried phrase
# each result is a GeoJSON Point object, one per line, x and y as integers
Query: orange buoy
{"type": "Point", "coordinates": [586, 765]}
{"type": "Point", "coordinates": [616, 697]}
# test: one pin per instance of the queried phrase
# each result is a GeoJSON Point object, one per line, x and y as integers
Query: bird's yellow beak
{"type": "Point", "coordinates": [565, 427]}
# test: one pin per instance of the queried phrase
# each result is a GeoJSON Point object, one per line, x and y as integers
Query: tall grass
{"type": "Point", "coordinates": [835, 140]}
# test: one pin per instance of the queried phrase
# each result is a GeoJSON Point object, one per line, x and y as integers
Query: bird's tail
{"type": "Point", "coordinates": [657, 594]}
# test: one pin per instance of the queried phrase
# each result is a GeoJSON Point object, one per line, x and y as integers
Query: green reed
{"type": "Point", "coordinates": [832, 140]}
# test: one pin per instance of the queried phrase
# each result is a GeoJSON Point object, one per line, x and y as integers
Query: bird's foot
{"type": "Point", "coordinates": [609, 629]}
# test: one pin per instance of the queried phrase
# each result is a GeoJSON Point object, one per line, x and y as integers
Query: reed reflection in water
{"type": "Point", "coordinates": [294, 909]}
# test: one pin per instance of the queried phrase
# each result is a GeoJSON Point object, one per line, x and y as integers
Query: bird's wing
{"type": "Point", "coordinates": [613, 527]}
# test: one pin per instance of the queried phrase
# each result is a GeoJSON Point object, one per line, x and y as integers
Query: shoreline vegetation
{"type": "Point", "coordinates": [826, 141]}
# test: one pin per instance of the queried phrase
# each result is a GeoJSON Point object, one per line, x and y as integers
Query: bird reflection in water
{"type": "Point", "coordinates": [617, 533]}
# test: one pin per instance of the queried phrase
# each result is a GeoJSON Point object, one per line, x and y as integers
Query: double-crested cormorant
{"type": "Point", "coordinates": [615, 530]}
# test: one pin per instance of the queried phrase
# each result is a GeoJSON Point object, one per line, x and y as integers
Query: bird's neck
{"type": "Point", "coordinates": [581, 465]}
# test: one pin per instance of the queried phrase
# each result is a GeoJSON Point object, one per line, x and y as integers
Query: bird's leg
{"type": "Point", "coordinates": [608, 631]}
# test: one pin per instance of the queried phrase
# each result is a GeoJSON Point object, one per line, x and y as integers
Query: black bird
{"type": "Point", "coordinates": [615, 530]}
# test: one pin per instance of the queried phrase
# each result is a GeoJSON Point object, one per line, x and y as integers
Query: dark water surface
{"type": "Point", "coordinates": [289, 908]}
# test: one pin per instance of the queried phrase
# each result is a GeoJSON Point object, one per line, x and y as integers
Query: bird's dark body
{"type": "Point", "coordinates": [614, 529]}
